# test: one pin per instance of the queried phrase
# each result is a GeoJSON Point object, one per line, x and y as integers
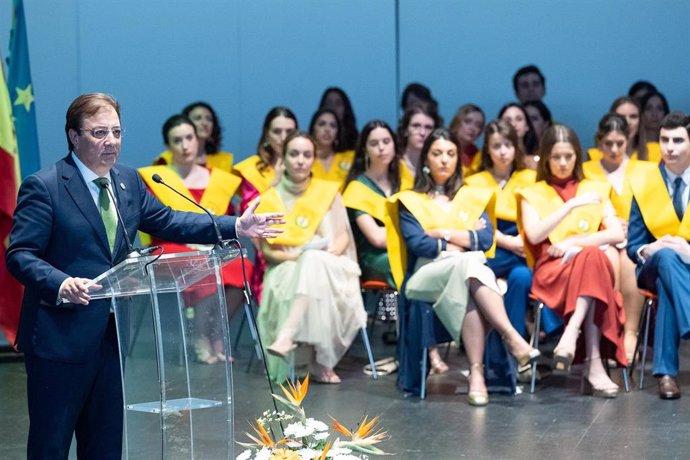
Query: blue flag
{"type": "Point", "coordinates": [22, 94]}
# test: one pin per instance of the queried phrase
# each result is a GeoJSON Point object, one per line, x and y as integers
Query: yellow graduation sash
{"type": "Point", "coordinates": [653, 153]}
{"type": "Point", "coordinates": [306, 214]}
{"type": "Point", "coordinates": [621, 203]}
{"type": "Point", "coordinates": [474, 167]}
{"type": "Point", "coordinates": [362, 198]}
{"type": "Point", "coordinates": [506, 204]}
{"type": "Point", "coordinates": [342, 162]}
{"type": "Point", "coordinates": [217, 195]}
{"type": "Point", "coordinates": [581, 220]}
{"type": "Point", "coordinates": [656, 205]}
{"type": "Point", "coordinates": [406, 177]}
{"type": "Point", "coordinates": [221, 160]}
{"type": "Point", "coordinates": [467, 207]}
{"type": "Point", "coordinates": [249, 170]}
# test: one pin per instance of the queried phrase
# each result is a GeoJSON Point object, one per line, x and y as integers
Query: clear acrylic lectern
{"type": "Point", "coordinates": [174, 407]}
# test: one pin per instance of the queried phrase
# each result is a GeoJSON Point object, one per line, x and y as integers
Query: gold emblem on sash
{"type": "Point", "coordinates": [302, 221]}
{"type": "Point", "coordinates": [463, 216]}
{"type": "Point", "coordinates": [344, 165]}
{"type": "Point", "coordinates": [583, 225]}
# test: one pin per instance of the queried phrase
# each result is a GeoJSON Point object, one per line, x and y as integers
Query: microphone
{"type": "Point", "coordinates": [159, 180]}
{"type": "Point", "coordinates": [133, 252]}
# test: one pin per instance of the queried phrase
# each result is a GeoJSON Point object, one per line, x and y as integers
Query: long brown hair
{"type": "Point", "coordinates": [423, 182]}
{"type": "Point", "coordinates": [359, 165]}
{"type": "Point", "coordinates": [552, 136]}
{"type": "Point", "coordinates": [505, 129]}
{"type": "Point", "coordinates": [639, 142]}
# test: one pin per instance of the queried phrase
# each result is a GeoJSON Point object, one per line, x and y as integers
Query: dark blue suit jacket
{"type": "Point", "coordinates": [58, 233]}
{"type": "Point", "coordinates": [638, 233]}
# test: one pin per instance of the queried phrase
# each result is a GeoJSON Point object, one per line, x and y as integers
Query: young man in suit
{"type": "Point", "coordinates": [658, 240]}
{"type": "Point", "coordinates": [65, 233]}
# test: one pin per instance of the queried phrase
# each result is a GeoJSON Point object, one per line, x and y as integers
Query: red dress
{"type": "Point", "coordinates": [232, 272]}
{"type": "Point", "coordinates": [588, 274]}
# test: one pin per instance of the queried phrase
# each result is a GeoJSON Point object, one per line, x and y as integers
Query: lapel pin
{"type": "Point", "coordinates": [122, 185]}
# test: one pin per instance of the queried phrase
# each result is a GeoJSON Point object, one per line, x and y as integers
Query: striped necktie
{"type": "Point", "coordinates": [107, 210]}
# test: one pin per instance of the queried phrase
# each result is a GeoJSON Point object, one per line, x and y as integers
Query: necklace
{"type": "Point", "coordinates": [439, 189]}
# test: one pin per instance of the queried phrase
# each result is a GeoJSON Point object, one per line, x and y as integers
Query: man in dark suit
{"type": "Point", "coordinates": [65, 233]}
{"type": "Point", "coordinates": [658, 240]}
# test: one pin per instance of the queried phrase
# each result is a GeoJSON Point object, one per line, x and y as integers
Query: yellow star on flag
{"type": "Point", "coordinates": [24, 97]}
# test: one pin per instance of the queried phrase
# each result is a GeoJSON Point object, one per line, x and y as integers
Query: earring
{"type": "Point", "coordinates": [366, 162]}
{"type": "Point", "coordinates": [426, 169]}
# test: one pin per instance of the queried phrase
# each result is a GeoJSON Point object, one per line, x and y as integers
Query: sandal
{"type": "Point", "coordinates": [385, 366]}
{"type": "Point", "coordinates": [202, 350]}
{"type": "Point", "coordinates": [326, 376]}
{"type": "Point", "coordinates": [438, 366]}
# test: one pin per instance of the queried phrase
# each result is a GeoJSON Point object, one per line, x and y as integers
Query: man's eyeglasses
{"type": "Point", "coordinates": [102, 132]}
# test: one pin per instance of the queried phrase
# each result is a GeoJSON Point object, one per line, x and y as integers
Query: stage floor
{"type": "Point", "coordinates": [555, 422]}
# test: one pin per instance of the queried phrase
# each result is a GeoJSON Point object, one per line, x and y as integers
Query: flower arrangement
{"type": "Point", "coordinates": [306, 438]}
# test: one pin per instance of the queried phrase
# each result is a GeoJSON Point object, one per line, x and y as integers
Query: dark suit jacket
{"type": "Point", "coordinates": [638, 233]}
{"type": "Point", "coordinates": [58, 233]}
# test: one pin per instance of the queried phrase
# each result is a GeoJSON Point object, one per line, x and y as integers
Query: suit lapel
{"type": "Point", "coordinates": [79, 192]}
{"type": "Point", "coordinates": [123, 197]}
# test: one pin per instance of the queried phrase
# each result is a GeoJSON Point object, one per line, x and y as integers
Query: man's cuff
{"type": "Point", "coordinates": [59, 299]}
{"type": "Point", "coordinates": [639, 255]}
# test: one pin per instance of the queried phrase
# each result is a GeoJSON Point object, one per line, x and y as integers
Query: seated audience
{"type": "Point", "coordinates": [213, 188]}
{"type": "Point", "coordinates": [261, 171]}
{"type": "Point", "coordinates": [529, 84]}
{"type": "Point", "coordinates": [209, 134]}
{"type": "Point", "coordinates": [467, 126]}
{"type": "Point", "coordinates": [615, 167]}
{"type": "Point", "coordinates": [336, 100]}
{"type": "Point", "coordinates": [516, 115]}
{"type": "Point", "coordinates": [332, 163]}
{"type": "Point", "coordinates": [437, 235]}
{"type": "Point", "coordinates": [654, 109]}
{"type": "Point", "coordinates": [415, 126]}
{"type": "Point", "coordinates": [569, 224]}
{"type": "Point", "coordinates": [417, 94]}
{"type": "Point", "coordinates": [539, 115]}
{"type": "Point", "coordinates": [659, 242]}
{"type": "Point", "coordinates": [311, 287]}
{"type": "Point", "coordinates": [375, 176]}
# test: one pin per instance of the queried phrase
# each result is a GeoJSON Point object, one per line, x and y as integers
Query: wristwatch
{"type": "Point", "coordinates": [446, 235]}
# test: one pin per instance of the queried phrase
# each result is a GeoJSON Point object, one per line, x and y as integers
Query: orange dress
{"type": "Point", "coordinates": [588, 274]}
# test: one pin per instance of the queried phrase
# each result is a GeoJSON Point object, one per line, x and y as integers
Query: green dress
{"type": "Point", "coordinates": [373, 261]}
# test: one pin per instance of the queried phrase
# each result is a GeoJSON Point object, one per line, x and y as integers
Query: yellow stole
{"type": "Point", "coordinates": [656, 205]}
{"type": "Point", "coordinates": [506, 204]}
{"type": "Point", "coordinates": [221, 187]}
{"type": "Point", "coordinates": [653, 153]}
{"type": "Point", "coordinates": [406, 177]}
{"type": "Point", "coordinates": [249, 170]}
{"type": "Point", "coordinates": [362, 198]}
{"type": "Point", "coordinates": [342, 162]}
{"type": "Point", "coordinates": [221, 160]}
{"type": "Point", "coordinates": [581, 220]}
{"type": "Point", "coordinates": [621, 203]}
{"type": "Point", "coordinates": [474, 167]}
{"type": "Point", "coordinates": [306, 214]}
{"type": "Point", "coordinates": [466, 208]}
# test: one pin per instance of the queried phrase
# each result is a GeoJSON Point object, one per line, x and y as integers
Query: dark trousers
{"type": "Point", "coordinates": [665, 274]}
{"type": "Point", "coordinates": [76, 398]}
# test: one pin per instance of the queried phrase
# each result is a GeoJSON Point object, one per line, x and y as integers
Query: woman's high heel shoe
{"type": "Point", "coordinates": [586, 387]}
{"type": "Point", "coordinates": [524, 360]}
{"type": "Point", "coordinates": [477, 398]}
{"type": "Point", "coordinates": [562, 360]}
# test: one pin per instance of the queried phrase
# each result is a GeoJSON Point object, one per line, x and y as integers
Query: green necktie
{"type": "Point", "coordinates": [107, 210]}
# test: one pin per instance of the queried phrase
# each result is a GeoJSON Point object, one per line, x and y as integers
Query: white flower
{"type": "Point", "coordinates": [297, 430]}
{"type": "Point", "coordinates": [321, 436]}
{"type": "Point", "coordinates": [316, 425]}
{"type": "Point", "coordinates": [263, 454]}
{"type": "Point", "coordinates": [339, 451]}
{"type": "Point", "coordinates": [346, 457]}
{"type": "Point", "coordinates": [246, 455]}
{"type": "Point", "coordinates": [294, 444]}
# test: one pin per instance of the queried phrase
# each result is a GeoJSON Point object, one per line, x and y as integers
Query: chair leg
{"type": "Point", "coordinates": [425, 363]}
{"type": "Point", "coordinates": [640, 327]}
{"type": "Point", "coordinates": [626, 380]}
{"type": "Point", "coordinates": [645, 343]}
{"type": "Point", "coordinates": [534, 342]}
{"type": "Point", "coordinates": [365, 338]}
{"type": "Point", "coordinates": [291, 360]}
